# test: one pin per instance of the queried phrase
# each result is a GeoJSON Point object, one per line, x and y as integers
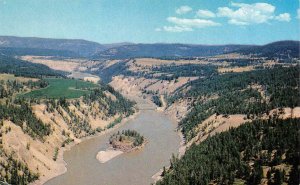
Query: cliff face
{"type": "Point", "coordinates": [67, 124]}
{"type": "Point", "coordinates": [28, 153]}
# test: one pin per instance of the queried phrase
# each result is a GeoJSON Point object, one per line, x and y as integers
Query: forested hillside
{"type": "Point", "coordinates": [48, 122]}
{"type": "Point", "coordinates": [280, 49]}
{"type": "Point", "coordinates": [12, 51]}
{"type": "Point", "coordinates": [252, 93]}
{"type": "Point", "coordinates": [262, 151]}
{"type": "Point", "coordinates": [82, 48]}
{"type": "Point", "coordinates": [44, 120]}
{"type": "Point", "coordinates": [165, 50]}
{"type": "Point", "coordinates": [23, 68]}
{"type": "Point", "coordinates": [77, 47]}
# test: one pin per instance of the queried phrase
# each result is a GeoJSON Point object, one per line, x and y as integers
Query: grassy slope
{"type": "Point", "coordinates": [59, 88]}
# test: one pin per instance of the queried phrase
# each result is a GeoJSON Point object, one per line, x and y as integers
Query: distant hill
{"type": "Point", "coordinates": [11, 51]}
{"type": "Point", "coordinates": [23, 68]}
{"type": "Point", "coordinates": [165, 50]}
{"type": "Point", "coordinates": [76, 46]}
{"type": "Point", "coordinates": [10, 45]}
{"type": "Point", "coordinates": [280, 49]}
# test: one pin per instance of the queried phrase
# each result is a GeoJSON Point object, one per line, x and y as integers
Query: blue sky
{"type": "Point", "coordinates": [152, 21]}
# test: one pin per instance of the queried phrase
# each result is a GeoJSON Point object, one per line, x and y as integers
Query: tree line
{"type": "Point", "coordinates": [236, 93]}
{"type": "Point", "coordinates": [241, 154]}
{"type": "Point", "coordinates": [19, 67]}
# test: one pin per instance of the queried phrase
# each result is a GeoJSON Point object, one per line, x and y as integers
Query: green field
{"type": "Point", "coordinates": [61, 88]}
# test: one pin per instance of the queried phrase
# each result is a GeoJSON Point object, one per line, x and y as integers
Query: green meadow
{"type": "Point", "coordinates": [61, 88]}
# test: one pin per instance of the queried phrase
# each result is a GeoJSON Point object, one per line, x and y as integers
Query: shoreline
{"type": "Point", "coordinates": [104, 156]}
{"type": "Point", "coordinates": [181, 150]}
{"type": "Point", "coordinates": [60, 159]}
{"type": "Point", "coordinates": [110, 153]}
{"type": "Point", "coordinates": [184, 146]}
{"type": "Point", "coordinates": [63, 165]}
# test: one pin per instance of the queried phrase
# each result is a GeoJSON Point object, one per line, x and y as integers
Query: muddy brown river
{"type": "Point", "coordinates": [134, 168]}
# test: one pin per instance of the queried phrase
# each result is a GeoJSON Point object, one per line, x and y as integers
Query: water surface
{"type": "Point", "coordinates": [134, 168]}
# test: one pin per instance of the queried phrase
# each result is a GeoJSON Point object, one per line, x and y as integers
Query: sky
{"type": "Point", "coordinates": [154, 21]}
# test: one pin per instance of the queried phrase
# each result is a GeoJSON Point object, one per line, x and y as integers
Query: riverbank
{"type": "Point", "coordinates": [136, 167]}
{"type": "Point", "coordinates": [62, 165]}
{"type": "Point", "coordinates": [222, 124]}
{"type": "Point", "coordinates": [110, 153]}
{"type": "Point", "coordinates": [182, 147]}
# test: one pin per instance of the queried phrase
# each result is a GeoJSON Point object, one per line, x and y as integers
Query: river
{"type": "Point", "coordinates": [134, 168]}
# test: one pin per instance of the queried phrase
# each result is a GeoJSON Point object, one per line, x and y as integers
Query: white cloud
{"type": "Point", "coordinates": [183, 25]}
{"type": "Point", "coordinates": [237, 14]}
{"type": "Point", "coordinates": [298, 13]}
{"type": "Point", "coordinates": [236, 22]}
{"type": "Point", "coordinates": [197, 23]}
{"type": "Point", "coordinates": [283, 17]}
{"type": "Point", "coordinates": [246, 14]}
{"type": "Point", "coordinates": [205, 14]}
{"type": "Point", "coordinates": [183, 10]}
{"type": "Point", "coordinates": [176, 29]}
